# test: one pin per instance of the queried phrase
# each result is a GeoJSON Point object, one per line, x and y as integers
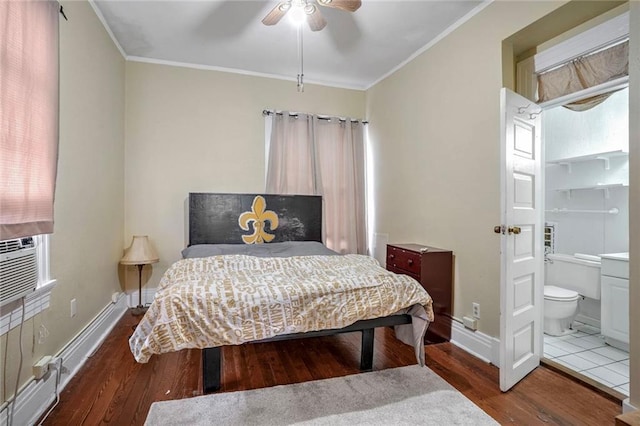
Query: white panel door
{"type": "Point", "coordinates": [521, 280]}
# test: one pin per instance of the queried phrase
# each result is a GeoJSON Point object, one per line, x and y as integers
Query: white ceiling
{"type": "Point", "coordinates": [354, 50]}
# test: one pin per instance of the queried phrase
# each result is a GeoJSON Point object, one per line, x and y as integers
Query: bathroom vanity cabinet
{"type": "Point", "coordinates": [433, 269]}
{"type": "Point", "coordinates": [615, 299]}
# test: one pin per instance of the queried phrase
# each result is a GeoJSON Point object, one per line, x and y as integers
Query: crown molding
{"type": "Point", "coordinates": [239, 71]}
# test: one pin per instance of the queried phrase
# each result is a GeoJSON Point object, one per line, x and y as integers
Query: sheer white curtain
{"type": "Point", "coordinates": [316, 156]}
{"type": "Point", "coordinates": [28, 116]}
{"type": "Point", "coordinates": [291, 167]}
{"type": "Point", "coordinates": [340, 155]}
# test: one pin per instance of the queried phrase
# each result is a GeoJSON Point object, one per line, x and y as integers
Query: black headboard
{"type": "Point", "coordinates": [214, 218]}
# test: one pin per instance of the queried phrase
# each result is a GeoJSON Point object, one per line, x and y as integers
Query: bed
{"type": "Point", "coordinates": [256, 270]}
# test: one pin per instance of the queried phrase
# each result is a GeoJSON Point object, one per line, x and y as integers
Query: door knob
{"type": "Point", "coordinates": [498, 229]}
{"type": "Point", "coordinates": [513, 230]}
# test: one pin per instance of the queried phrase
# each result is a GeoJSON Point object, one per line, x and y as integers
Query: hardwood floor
{"type": "Point", "coordinates": [112, 388]}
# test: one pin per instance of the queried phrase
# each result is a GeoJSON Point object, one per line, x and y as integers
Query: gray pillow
{"type": "Point", "coordinates": [284, 249]}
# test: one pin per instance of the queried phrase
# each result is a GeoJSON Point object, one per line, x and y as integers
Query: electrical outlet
{"type": "Point", "coordinates": [476, 310]}
{"type": "Point", "coordinates": [74, 308]}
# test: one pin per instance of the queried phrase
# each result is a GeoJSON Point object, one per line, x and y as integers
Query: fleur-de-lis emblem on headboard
{"type": "Point", "coordinates": [258, 215]}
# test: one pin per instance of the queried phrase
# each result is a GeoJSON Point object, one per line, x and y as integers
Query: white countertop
{"type": "Point", "coordinates": [616, 256]}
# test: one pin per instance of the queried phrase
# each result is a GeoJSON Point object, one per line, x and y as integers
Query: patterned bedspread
{"type": "Point", "coordinates": [233, 299]}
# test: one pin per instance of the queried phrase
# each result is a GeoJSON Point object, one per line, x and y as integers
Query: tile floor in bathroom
{"type": "Point", "coordinates": [586, 352]}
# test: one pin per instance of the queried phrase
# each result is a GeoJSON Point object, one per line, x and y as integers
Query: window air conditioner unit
{"type": "Point", "coordinates": [18, 269]}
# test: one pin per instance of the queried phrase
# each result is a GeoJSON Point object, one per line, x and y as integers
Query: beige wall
{"type": "Point", "coordinates": [89, 207]}
{"type": "Point", "coordinates": [194, 130]}
{"type": "Point", "coordinates": [434, 129]}
{"type": "Point", "coordinates": [634, 203]}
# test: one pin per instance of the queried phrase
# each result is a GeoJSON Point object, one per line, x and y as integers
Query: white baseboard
{"type": "Point", "coordinates": [478, 344]}
{"type": "Point", "coordinates": [593, 322]}
{"type": "Point", "coordinates": [627, 407]}
{"type": "Point", "coordinates": [37, 395]}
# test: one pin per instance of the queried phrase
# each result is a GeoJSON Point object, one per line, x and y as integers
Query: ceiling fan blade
{"type": "Point", "coordinates": [348, 5]}
{"type": "Point", "coordinates": [274, 16]}
{"type": "Point", "coordinates": [314, 18]}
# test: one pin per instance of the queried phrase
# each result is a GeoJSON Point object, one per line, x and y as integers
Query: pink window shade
{"type": "Point", "coordinates": [28, 116]}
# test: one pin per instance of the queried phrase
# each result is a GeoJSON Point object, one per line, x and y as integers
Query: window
{"type": "Point", "coordinates": [313, 155]}
{"type": "Point", "coordinates": [42, 250]}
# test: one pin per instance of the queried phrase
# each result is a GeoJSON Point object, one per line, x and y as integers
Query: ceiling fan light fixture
{"type": "Point", "coordinates": [301, 11]}
{"type": "Point", "coordinates": [297, 15]}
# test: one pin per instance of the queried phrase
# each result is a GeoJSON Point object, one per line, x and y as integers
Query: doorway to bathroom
{"type": "Point", "coordinates": [586, 240]}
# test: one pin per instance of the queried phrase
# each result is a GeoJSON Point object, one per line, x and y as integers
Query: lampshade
{"type": "Point", "coordinates": [140, 252]}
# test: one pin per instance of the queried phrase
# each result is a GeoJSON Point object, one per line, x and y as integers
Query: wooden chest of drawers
{"type": "Point", "coordinates": [433, 268]}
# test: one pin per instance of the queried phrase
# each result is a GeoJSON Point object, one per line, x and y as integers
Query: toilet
{"type": "Point", "coordinates": [560, 309]}
{"type": "Point", "coordinates": [568, 278]}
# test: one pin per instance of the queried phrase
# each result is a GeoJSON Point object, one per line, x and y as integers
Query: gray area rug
{"type": "Point", "coordinates": [410, 395]}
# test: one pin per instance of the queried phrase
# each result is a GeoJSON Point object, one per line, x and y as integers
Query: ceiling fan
{"type": "Point", "coordinates": [308, 10]}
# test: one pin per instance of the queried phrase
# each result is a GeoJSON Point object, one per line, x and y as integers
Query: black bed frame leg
{"type": "Point", "coordinates": [366, 355]}
{"type": "Point", "coordinates": [211, 369]}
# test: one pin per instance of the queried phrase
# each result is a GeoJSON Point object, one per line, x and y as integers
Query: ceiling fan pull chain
{"type": "Point", "coordinates": [301, 58]}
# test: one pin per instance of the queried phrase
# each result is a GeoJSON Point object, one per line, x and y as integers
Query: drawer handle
{"type": "Point", "coordinates": [410, 261]}
{"type": "Point", "coordinates": [391, 256]}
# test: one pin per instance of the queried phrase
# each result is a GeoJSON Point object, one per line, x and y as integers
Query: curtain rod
{"type": "Point", "coordinates": [320, 117]}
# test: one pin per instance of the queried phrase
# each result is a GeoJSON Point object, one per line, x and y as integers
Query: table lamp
{"type": "Point", "coordinates": [140, 253]}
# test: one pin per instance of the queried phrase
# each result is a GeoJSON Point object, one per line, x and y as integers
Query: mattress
{"type": "Point", "coordinates": [232, 299]}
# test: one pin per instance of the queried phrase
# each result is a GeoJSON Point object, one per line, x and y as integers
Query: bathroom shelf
{"type": "Point", "coordinates": [600, 156]}
{"type": "Point", "coordinates": [605, 188]}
